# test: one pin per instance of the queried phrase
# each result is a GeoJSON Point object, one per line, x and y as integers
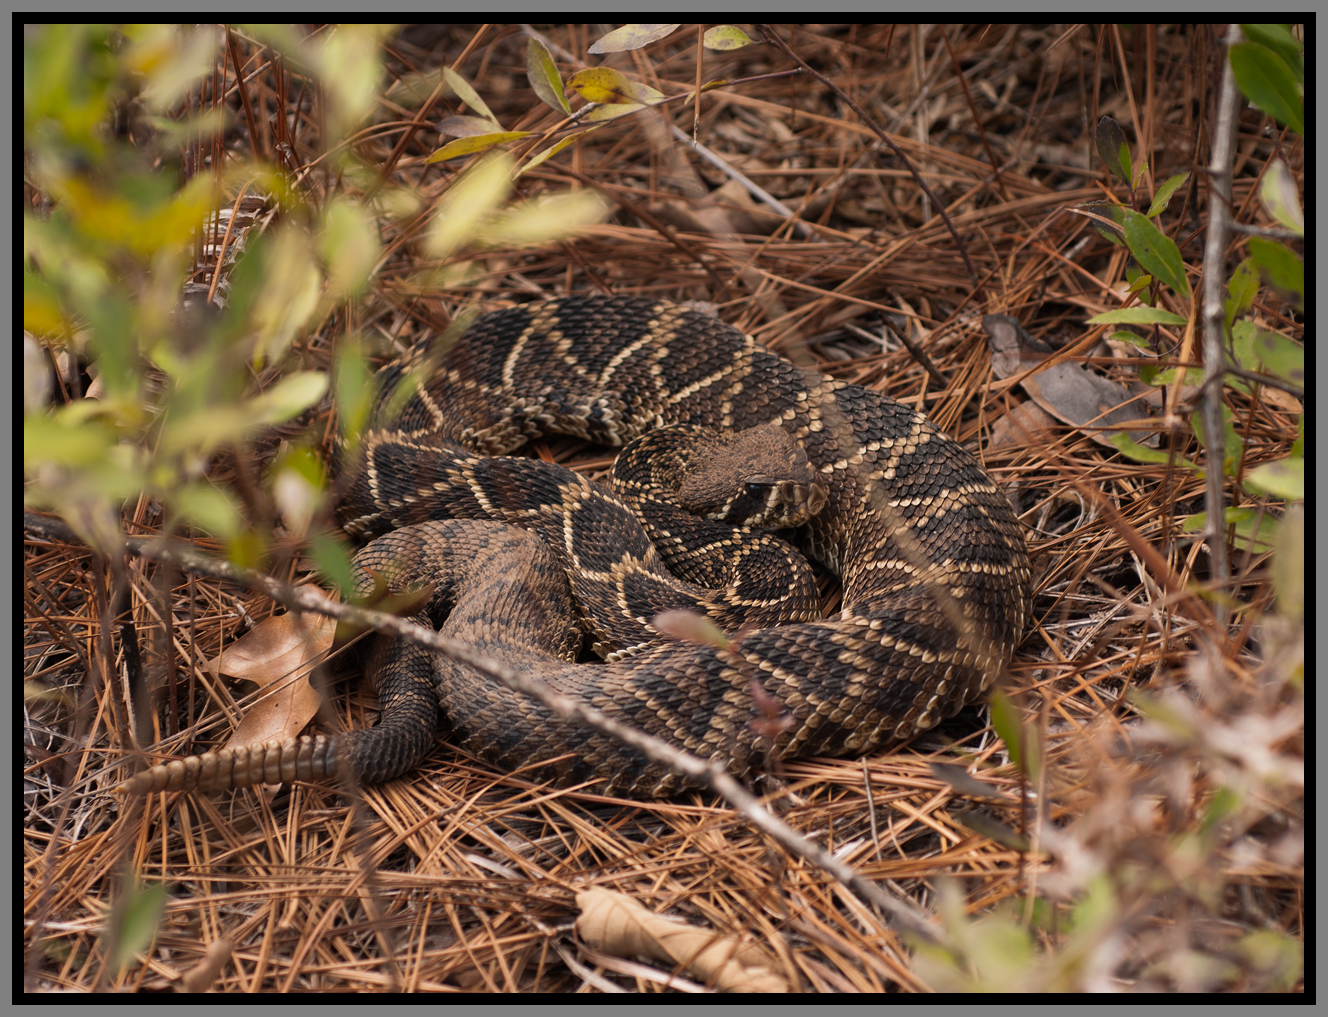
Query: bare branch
{"type": "Point", "coordinates": [1214, 312]}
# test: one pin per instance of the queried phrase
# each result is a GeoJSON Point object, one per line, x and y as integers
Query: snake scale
{"type": "Point", "coordinates": [936, 577]}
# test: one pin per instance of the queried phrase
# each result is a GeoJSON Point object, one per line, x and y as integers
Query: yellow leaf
{"type": "Point", "coordinates": [469, 146]}
{"type": "Point", "coordinates": [604, 84]}
{"type": "Point", "coordinates": [546, 219]}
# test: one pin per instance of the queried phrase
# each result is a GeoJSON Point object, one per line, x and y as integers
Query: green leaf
{"type": "Point", "coordinates": [1131, 449]}
{"type": "Point", "coordinates": [1232, 446]}
{"type": "Point", "coordinates": [1155, 251]}
{"type": "Point", "coordinates": [1268, 352]}
{"type": "Point", "coordinates": [1113, 148]}
{"type": "Point", "coordinates": [1281, 41]}
{"type": "Point", "coordinates": [463, 90]}
{"type": "Point", "coordinates": [1129, 337]}
{"type": "Point", "coordinates": [349, 247]}
{"type": "Point", "coordinates": [726, 38]}
{"type": "Point", "coordinates": [1280, 197]}
{"type": "Point", "coordinates": [1289, 563]}
{"type": "Point", "coordinates": [1284, 478]}
{"type": "Point", "coordinates": [353, 389]}
{"type": "Point", "coordinates": [1242, 288]}
{"type": "Point", "coordinates": [1157, 377]}
{"type": "Point", "coordinates": [1141, 315]}
{"type": "Point", "coordinates": [630, 37]}
{"type": "Point", "coordinates": [1270, 83]}
{"type": "Point", "coordinates": [288, 398]}
{"type": "Point", "coordinates": [479, 143]}
{"type": "Point", "coordinates": [138, 922]}
{"type": "Point", "coordinates": [1254, 531]}
{"type": "Point", "coordinates": [1281, 357]}
{"type": "Point", "coordinates": [542, 73]}
{"type": "Point", "coordinates": [210, 508]}
{"type": "Point", "coordinates": [1009, 726]}
{"type": "Point", "coordinates": [333, 560]}
{"type": "Point", "coordinates": [1280, 267]}
{"type": "Point", "coordinates": [1107, 216]}
{"type": "Point", "coordinates": [1165, 192]}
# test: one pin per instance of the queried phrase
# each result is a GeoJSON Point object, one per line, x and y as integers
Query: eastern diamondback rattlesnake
{"type": "Point", "coordinates": [933, 561]}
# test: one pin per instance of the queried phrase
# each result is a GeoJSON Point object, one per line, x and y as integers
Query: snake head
{"type": "Point", "coordinates": [759, 478]}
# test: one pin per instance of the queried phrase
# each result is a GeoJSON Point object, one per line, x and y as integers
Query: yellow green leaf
{"type": "Point", "coordinates": [630, 37]}
{"type": "Point", "coordinates": [349, 246]}
{"type": "Point", "coordinates": [1280, 198]}
{"type": "Point", "coordinates": [546, 219]}
{"type": "Point", "coordinates": [481, 189]}
{"type": "Point", "coordinates": [463, 90]}
{"type": "Point", "coordinates": [1141, 315]}
{"type": "Point", "coordinates": [288, 296]}
{"type": "Point", "coordinates": [543, 75]}
{"type": "Point", "coordinates": [725, 38]}
{"type": "Point", "coordinates": [1165, 192]}
{"type": "Point", "coordinates": [612, 111]}
{"type": "Point", "coordinates": [551, 151]}
{"type": "Point", "coordinates": [469, 146]}
{"type": "Point", "coordinates": [1284, 478]}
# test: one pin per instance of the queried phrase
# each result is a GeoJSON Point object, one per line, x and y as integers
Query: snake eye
{"type": "Point", "coordinates": [756, 490]}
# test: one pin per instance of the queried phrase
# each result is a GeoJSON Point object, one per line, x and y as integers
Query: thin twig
{"type": "Point", "coordinates": [1214, 315]}
{"type": "Point", "coordinates": [1272, 232]}
{"type": "Point", "coordinates": [753, 188]}
{"type": "Point", "coordinates": [773, 38]}
{"type": "Point", "coordinates": [906, 915]}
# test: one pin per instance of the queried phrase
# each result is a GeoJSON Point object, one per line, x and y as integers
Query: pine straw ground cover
{"type": "Point", "coordinates": [1149, 833]}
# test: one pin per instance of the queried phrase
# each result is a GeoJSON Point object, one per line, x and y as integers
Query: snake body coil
{"type": "Point", "coordinates": [934, 567]}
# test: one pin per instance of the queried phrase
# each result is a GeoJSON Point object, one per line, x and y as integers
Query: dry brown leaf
{"type": "Point", "coordinates": [614, 923]}
{"type": "Point", "coordinates": [285, 648]}
{"type": "Point", "coordinates": [1072, 393]}
{"type": "Point", "coordinates": [1081, 397]}
{"type": "Point", "coordinates": [1026, 424]}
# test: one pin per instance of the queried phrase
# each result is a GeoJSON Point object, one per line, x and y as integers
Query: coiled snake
{"type": "Point", "coordinates": [936, 579]}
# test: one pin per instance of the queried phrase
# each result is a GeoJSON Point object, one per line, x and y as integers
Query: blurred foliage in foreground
{"type": "Point", "coordinates": [127, 182]}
